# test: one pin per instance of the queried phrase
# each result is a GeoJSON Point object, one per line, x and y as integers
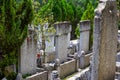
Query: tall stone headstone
{"type": "Point", "coordinates": [49, 42]}
{"type": "Point", "coordinates": [105, 41]}
{"type": "Point", "coordinates": [50, 48]}
{"type": "Point", "coordinates": [61, 40]}
{"type": "Point", "coordinates": [28, 55]}
{"type": "Point", "coordinates": [84, 35]}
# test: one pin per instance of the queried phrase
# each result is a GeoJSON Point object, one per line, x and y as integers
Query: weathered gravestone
{"type": "Point", "coordinates": [49, 42]}
{"type": "Point", "coordinates": [84, 40]}
{"type": "Point", "coordinates": [50, 49]}
{"type": "Point", "coordinates": [28, 54]}
{"type": "Point", "coordinates": [84, 35]}
{"type": "Point", "coordinates": [105, 41]}
{"type": "Point", "coordinates": [63, 30]}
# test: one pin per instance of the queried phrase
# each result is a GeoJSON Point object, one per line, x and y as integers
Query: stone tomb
{"type": "Point", "coordinates": [63, 30]}
{"type": "Point", "coordinates": [27, 59]}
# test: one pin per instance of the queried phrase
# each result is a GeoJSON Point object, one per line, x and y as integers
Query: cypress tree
{"type": "Point", "coordinates": [13, 23]}
{"type": "Point", "coordinates": [15, 15]}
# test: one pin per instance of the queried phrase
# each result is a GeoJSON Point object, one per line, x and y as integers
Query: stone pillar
{"type": "Point", "coordinates": [57, 66]}
{"type": "Point", "coordinates": [105, 41]}
{"type": "Point", "coordinates": [82, 60]}
{"type": "Point", "coordinates": [61, 44]}
{"type": "Point", "coordinates": [76, 57]}
{"type": "Point", "coordinates": [84, 35]}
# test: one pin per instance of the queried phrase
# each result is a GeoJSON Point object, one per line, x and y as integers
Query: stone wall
{"type": "Point", "coordinates": [39, 76]}
{"type": "Point", "coordinates": [67, 68]}
{"type": "Point", "coordinates": [85, 60]}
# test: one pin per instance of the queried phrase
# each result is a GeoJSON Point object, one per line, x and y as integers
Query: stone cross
{"type": "Point", "coordinates": [61, 40]}
{"type": "Point", "coordinates": [105, 41]}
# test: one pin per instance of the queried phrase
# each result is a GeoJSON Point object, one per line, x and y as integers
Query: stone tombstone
{"type": "Point", "coordinates": [49, 42]}
{"type": "Point", "coordinates": [63, 30]}
{"type": "Point", "coordinates": [28, 55]}
{"type": "Point", "coordinates": [50, 48]}
{"type": "Point", "coordinates": [84, 35]}
{"type": "Point", "coordinates": [105, 41]}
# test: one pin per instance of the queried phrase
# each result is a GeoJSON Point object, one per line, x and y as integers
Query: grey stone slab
{"type": "Point", "coordinates": [62, 40]}
{"type": "Point", "coordinates": [28, 58]}
{"type": "Point", "coordinates": [84, 35]}
{"type": "Point", "coordinates": [105, 41]}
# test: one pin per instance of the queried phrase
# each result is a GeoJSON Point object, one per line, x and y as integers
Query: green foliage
{"type": "Point", "coordinates": [60, 12]}
{"type": "Point", "coordinates": [94, 3]}
{"type": "Point", "coordinates": [79, 8]}
{"type": "Point", "coordinates": [9, 59]}
{"type": "Point", "coordinates": [14, 19]}
{"type": "Point", "coordinates": [44, 14]}
{"type": "Point", "coordinates": [89, 13]}
{"type": "Point", "coordinates": [65, 10]}
{"type": "Point", "coordinates": [26, 75]}
{"type": "Point", "coordinates": [70, 12]}
{"type": "Point", "coordinates": [12, 76]}
{"type": "Point", "coordinates": [13, 24]}
{"type": "Point", "coordinates": [77, 31]}
{"type": "Point", "coordinates": [42, 17]}
{"type": "Point", "coordinates": [118, 4]}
